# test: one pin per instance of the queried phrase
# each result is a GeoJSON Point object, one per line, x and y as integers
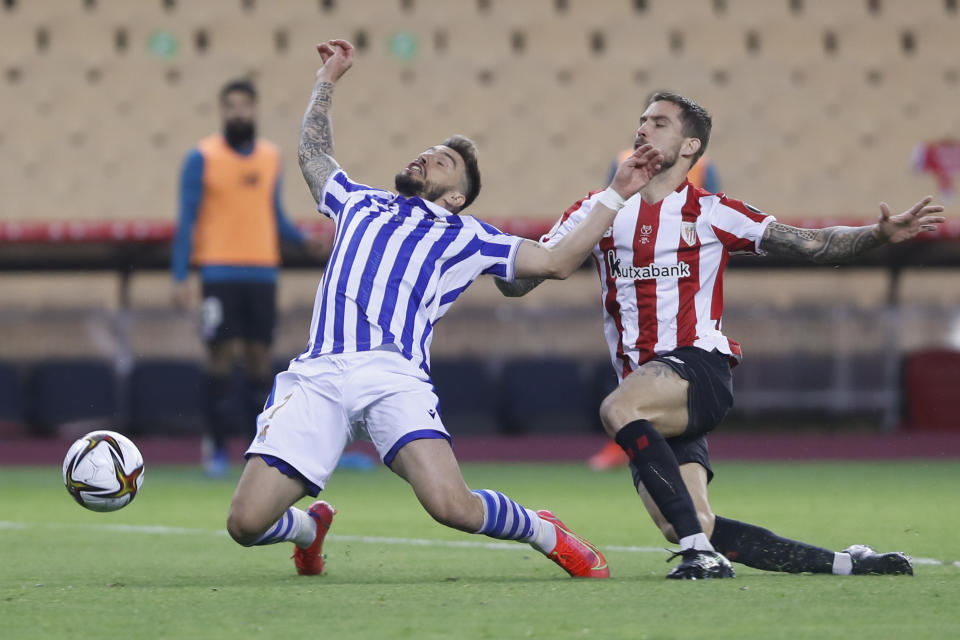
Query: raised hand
{"type": "Point", "coordinates": [636, 171]}
{"type": "Point", "coordinates": [337, 58]}
{"type": "Point", "coordinates": [907, 225]}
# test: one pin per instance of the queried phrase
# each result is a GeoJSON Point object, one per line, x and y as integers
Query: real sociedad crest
{"type": "Point", "coordinates": [688, 231]}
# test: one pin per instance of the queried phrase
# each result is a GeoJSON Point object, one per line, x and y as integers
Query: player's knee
{"type": "Point", "coordinates": [611, 414]}
{"type": "Point", "coordinates": [243, 528]}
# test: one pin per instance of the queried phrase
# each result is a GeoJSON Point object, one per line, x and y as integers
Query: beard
{"type": "Point", "coordinates": [409, 187]}
{"type": "Point", "coordinates": [239, 133]}
{"type": "Point", "coordinates": [669, 158]}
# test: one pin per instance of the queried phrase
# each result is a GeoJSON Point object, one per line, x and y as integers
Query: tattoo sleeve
{"type": "Point", "coordinates": [316, 140]}
{"type": "Point", "coordinates": [833, 244]}
{"type": "Point", "coordinates": [517, 288]}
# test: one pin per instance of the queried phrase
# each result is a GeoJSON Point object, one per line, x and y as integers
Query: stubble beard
{"type": "Point", "coordinates": [409, 187]}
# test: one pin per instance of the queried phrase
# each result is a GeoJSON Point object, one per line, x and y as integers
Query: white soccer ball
{"type": "Point", "coordinates": [103, 471]}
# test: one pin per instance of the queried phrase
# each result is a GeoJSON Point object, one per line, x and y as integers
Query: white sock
{"type": "Point", "coordinates": [304, 528]}
{"type": "Point", "coordinates": [842, 564]}
{"type": "Point", "coordinates": [698, 541]}
{"type": "Point", "coordinates": [544, 538]}
{"type": "Point", "coordinates": [293, 526]}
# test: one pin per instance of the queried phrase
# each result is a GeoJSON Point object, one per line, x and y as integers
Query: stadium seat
{"type": "Point", "coordinates": [68, 397]}
{"type": "Point", "coordinates": [544, 396]}
{"type": "Point", "coordinates": [930, 390]}
{"type": "Point", "coordinates": [12, 419]}
{"type": "Point", "coordinates": [467, 396]}
{"type": "Point", "coordinates": [166, 397]}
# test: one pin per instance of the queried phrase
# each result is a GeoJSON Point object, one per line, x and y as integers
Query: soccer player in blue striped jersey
{"type": "Point", "coordinates": [398, 262]}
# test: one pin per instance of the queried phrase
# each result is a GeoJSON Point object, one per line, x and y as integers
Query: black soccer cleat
{"type": "Point", "coordinates": [700, 565]}
{"type": "Point", "coordinates": [867, 561]}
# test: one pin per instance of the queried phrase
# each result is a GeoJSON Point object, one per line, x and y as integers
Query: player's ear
{"type": "Point", "coordinates": [690, 147]}
{"type": "Point", "coordinates": [452, 200]}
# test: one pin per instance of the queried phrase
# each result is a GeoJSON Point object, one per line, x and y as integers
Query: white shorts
{"type": "Point", "coordinates": [319, 406]}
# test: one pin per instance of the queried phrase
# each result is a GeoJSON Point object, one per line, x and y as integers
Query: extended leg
{"type": "Point", "coordinates": [760, 548]}
{"type": "Point", "coordinates": [432, 470]}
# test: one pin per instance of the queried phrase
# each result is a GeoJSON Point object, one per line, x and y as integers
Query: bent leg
{"type": "Point", "coordinates": [695, 479]}
{"type": "Point", "coordinates": [648, 406]}
{"type": "Point", "coordinates": [262, 502]}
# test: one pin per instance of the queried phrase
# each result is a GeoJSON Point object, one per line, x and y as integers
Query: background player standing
{"type": "Point", "coordinates": [398, 264]}
{"type": "Point", "coordinates": [661, 271]}
{"type": "Point", "coordinates": [230, 222]}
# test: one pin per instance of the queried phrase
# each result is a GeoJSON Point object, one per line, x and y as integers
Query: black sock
{"type": "Point", "coordinates": [217, 409]}
{"type": "Point", "coordinates": [762, 549]}
{"type": "Point", "coordinates": [653, 463]}
{"type": "Point", "coordinates": [257, 391]}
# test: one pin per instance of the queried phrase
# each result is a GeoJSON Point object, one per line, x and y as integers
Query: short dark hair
{"type": "Point", "coordinates": [467, 149]}
{"type": "Point", "coordinates": [242, 85]}
{"type": "Point", "coordinates": [697, 123]}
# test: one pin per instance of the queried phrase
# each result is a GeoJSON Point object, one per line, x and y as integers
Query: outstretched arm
{"type": "Point", "coordinates": [316, 132]}
{"type": "Point", "coordinates": [557, 262]}
{"type": "Point", "coordinates": [838, 244]}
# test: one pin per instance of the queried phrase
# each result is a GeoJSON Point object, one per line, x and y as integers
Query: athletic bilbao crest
{"type": "Point", "coordinates": [688, 231]}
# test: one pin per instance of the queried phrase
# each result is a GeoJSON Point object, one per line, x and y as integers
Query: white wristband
{"type": "Point", "coordinates": [611, 199]}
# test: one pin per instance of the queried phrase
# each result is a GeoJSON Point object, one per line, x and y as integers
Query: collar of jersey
{"type": "Point", "coordinates": [433, 210]}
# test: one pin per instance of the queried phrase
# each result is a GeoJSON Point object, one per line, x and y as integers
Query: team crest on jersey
{"type": "Point", "coordinates": [688, 231]}
{"type": "Point", "coordinates": [645, 231]}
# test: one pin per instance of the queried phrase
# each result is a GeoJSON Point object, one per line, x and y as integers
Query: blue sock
{"type": "Point", "coordinates": [294, 525]}
{"type": "Point", "coordinates": [505, 519]}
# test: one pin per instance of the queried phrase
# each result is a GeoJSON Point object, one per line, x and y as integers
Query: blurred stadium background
{"type": "Point", "coordinates": [821, 109]}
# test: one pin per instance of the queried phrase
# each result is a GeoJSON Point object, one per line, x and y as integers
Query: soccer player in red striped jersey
{"type": "Point", "coordinates": [661, 268]}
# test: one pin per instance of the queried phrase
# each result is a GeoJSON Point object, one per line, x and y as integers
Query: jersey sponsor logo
{"type": "Point", "coordinates": [652, 271]}
{"type": "Point", "coordinates": [688, 231]}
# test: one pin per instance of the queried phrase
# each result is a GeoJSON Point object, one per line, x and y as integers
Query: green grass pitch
{"type": "Point", "coordinates": [164, 568]}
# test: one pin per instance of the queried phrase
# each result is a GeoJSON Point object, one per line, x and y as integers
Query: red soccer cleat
{"type": "Point", "coordinates": [610, 457]}
{"type": "Point", "coordinates": [575, 555]}
{"type": "Point", "coordinates": [309, 561]}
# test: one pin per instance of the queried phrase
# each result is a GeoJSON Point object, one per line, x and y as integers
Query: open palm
{"type": "Point", "coordinates": [905, 226]}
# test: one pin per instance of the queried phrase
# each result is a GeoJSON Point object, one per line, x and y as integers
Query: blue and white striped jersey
{"type": "Point", "coordinates": [396, 267]}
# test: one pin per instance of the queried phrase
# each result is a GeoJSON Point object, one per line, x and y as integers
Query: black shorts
{"type": "Point", "coordinates": [709, 398]}
{"type": "Point", "coordinates": [238, 311]}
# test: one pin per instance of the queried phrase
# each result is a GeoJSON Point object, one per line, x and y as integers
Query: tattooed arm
{"type": "Point", "coordinates": [517, 288]}
{"type": "Point", "coordinates": [316, 132]}
{"type": "Point", "coordinates": [838, 244]}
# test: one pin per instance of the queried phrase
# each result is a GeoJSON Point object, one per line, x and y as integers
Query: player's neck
{"type": "Point", "coordinates": [663, 184]}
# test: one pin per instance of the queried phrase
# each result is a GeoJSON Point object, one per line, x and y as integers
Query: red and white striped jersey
{"type": "Point", "coordinates": [661, 270]}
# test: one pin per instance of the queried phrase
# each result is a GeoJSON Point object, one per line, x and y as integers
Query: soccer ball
{"type": "Point", "coordinates": [103, 471]}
